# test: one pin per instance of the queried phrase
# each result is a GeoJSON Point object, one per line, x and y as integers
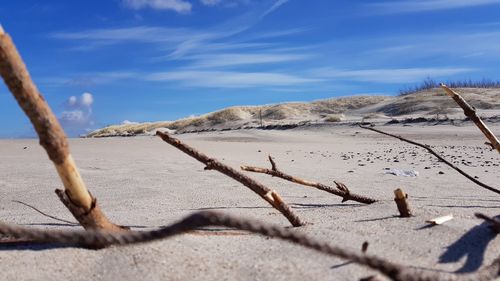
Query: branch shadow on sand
{"type": "Point", "coordinates": [471, 245]}
{"type": "Point", "coordinates": [20, 245]}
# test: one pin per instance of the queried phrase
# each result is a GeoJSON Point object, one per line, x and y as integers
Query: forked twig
{"type": "Point", "coordinates": [96, 238]}
{"type": "Point", "coordinates": [470, 112]}
{"type": "Point", "coordinates": [271, 196]}
{"type": "Point", "coordinates": [341, 190]}
{"type": "Point", "coordinates": [431, 151]}
{"type": "Point", "coordinates": [15, 74]}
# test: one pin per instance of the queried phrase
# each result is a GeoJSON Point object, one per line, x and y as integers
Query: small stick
{"type": "Point", "coordinates": [440, 220]}
{"type": "Point", "coordinates": [431, 151]}
{"type": "Point", "coordinates": [470, 112]}
{"type": "Point", "coordinates": [52, 137]}
{"type": "Point", "coordinates": [341, 190]}
{"type": "Point", "coordinates": [495, 223]}
{"type": "Point", "coordinates": [212, 164]}
{"type": "Point", "coordinates": [402, 203]}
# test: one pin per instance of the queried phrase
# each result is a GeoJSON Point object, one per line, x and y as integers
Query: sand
{"type": "Point", "coordinates": [145, 183]}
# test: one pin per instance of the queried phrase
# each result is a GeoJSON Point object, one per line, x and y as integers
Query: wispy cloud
{"type": "Point", "coordinates": [229, 79]}
{"type": "Point", "coordinates": [396, 75]}
{"type": "Point", "coordinates": [225, 3]}
{"type": "Point", "coordinates": [275, 6]}
{"type": "Point", "coordinates": [179, 6]}
{"type": "Point", "coordinates": [409, 6]}
{"type": "Point", "coordinates": [235, 59]}
{"type": "Point", "coordinates": [146, 34]}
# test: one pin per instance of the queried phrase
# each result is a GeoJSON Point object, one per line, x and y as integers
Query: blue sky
{"type": "Point", "coordinates": [101, 62]}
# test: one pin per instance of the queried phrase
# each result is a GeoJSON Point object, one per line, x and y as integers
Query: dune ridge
{"type": "Point", "coordinates": [349, 109]}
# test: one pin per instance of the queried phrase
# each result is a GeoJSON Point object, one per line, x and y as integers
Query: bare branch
{"type": "Point", "coordinates": [52, 137]}
{"type": "Point", "coordinates": [431, 151]}
{"type": "Point", "coordinates": [341, 189]}
{"type": "Point", "coordinates": [212, 164]}
{"type": "Point", "coordinates": [470, 112]}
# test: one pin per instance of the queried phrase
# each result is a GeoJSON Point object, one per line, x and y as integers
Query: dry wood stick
{"type": "Point", "coordinates": [431, 151]}
{"type": "Point", "coordinates": [95, 239]}
{"type": "Point", "coordinates": [470, 112]}
{"type": "Point", "coordinates": [271, 196]}
{"type": "Point", "coordinates": [341, 190]}
{"type": "Point", "coordinates": [402, 203]}
{"type": "Point", "coordinates": [52, 137]}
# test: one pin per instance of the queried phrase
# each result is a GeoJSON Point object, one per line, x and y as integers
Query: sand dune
{"type": "Point", "coordinates": [428, 102]}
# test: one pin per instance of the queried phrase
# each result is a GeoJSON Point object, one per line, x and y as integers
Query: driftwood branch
{"type": "Point", "coordinates": [95, 238]}
{"type": "Point", "coordinates": [470, 112]}
{"type": "Point", "coordinates": [431, 151]}
{"type": "Point", "coordinates": [340, 190]}
{"type": "Point", "coordinates": [271, 196]}
{"type": "Point", "coordinates": [52, 137]}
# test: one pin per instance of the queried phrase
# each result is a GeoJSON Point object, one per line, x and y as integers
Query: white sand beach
{"type": "Point", "coordinates": [145, 183]}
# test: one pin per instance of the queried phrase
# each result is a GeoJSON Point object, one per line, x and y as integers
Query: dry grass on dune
{"type": "Point", "coordinates": [432, 100]}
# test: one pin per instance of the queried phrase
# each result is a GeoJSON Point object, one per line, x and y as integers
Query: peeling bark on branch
{"type": "Point", "coordinates": [340, 190]}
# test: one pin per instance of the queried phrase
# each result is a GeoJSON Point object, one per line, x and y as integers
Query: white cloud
{"type": "Point", "coordinates": [390, 7]}
{"type": "Point", "coordinates": [388, 75]}
{"type": "Point", "coordinates": [72, 101]}
{"type": "Point", "coordinates": [86, 99]}
{"type": "Point", "coordinates": [77, 117]}
{"type": "Point", "coordinates": [179, 6]}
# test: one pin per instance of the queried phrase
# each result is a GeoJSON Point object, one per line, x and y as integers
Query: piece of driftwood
{"type": "Point", "coordinates": [341, 190]}
{"type": "Point", "coordinates": [271, 196]}
{"type": "Point", "coordinates": [401, 199]}
{"type": "Point", "coordinates": [495, 223]}
{"type": "Point", "coordinates": [431, 151]}
{"type": "Point", "coordinates": [51, 135]}
{"type": "Point", "coordinates": [95, 238]}
{"type": "Point", "coordinates": [440, 220]}
{"type": "Point", "coordinates": [470, 112]}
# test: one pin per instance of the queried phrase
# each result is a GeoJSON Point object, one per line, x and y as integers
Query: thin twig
{"type": "Point", "coordinates": [431, 151]}
{"type": "Point", "coordinates": [271, 196]}
{"type": "Point", "coordinates": [470, 112]}
{"type": "Point", "coordinates": [341, 190]}
{"type": "Point", "coordinates": [98, 238]}
{"type": "Point", "coordinates": [45, 214]}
